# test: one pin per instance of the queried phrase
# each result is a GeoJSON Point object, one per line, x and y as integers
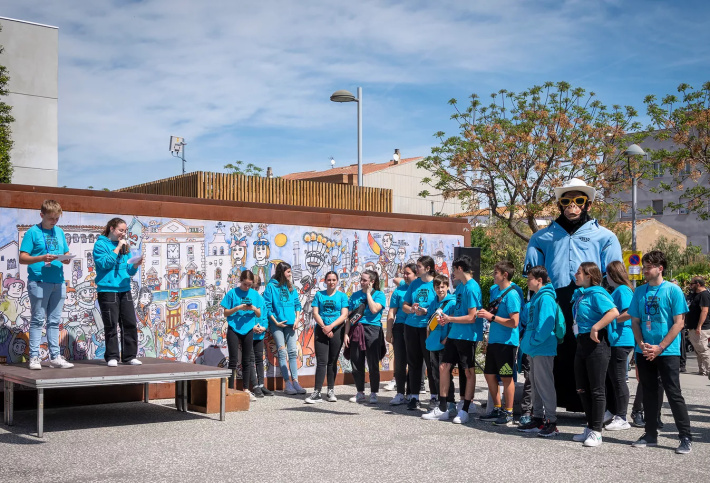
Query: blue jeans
{"type": "Point", "coordinates": [46, 302]}
{"type": "Point", "coordinates": [285, 338]}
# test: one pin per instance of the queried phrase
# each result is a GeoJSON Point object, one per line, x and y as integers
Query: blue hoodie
{"type": "Point", "coordinates": [539, 338]}
{"type": "Point", "coordinates": [113, 272]}
{"type": "Point", "coordinates": [281, 303]}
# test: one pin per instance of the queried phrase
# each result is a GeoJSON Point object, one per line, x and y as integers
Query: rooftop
{"type": "Point", "coordinates": [350, 170]}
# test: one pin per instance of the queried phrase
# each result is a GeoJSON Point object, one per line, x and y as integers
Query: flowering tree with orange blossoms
{"type": "Point", "coordinates": [684, 120]}
{"type": "Point", "coordinates": [512, 152]}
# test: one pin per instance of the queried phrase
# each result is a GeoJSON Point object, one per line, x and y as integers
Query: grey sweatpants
{"type": "Point", "coordinates": [542, 381]}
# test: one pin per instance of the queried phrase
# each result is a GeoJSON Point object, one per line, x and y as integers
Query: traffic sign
{"type": "Point", "coordinates": [632, 260]}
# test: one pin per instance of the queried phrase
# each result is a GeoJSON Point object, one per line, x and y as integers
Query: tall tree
{"type": "Point", "coordinates": [5, 130]}
{"type": "Point", "coordinates": [512, 152]}
{"type": "Point", "coordinates": [684, 120]}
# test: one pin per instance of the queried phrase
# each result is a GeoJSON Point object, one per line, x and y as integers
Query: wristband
{"type": "Point", "coordinates": [662, 348]}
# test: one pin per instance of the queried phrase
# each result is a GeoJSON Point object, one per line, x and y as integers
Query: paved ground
{"type": "Point", "coordinates": [282, 439]}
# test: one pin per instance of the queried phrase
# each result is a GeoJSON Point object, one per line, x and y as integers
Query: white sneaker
{"type": "Point", "coordinates": [112, 363]}
{"type": "Point", "coordinates": [593, 439]}
{"type": "Point", "coordinates": [358, 398]}
{"type": "Point", "coordinates": [397, 400]}
{"type": "Point", "coordinates": [134, 362]}
{"type": "Point", "coordinates": [461, 417]}
{"type": "Point", "coordinates": [289, 389]}
{"type": "Point", "coordinates": [471, 408]}
{"type": "Point", "coordinates": [60, 363]}
{"type": "Point", "coordinates": [581, 438]}
{"type": "Point", "coordinates": [391, 386]}
{"type": "Point", "coordinates": [35, 363]}
{"type": "Point", "coordinates": [436, 414]}
{"type": "Point", "coordinates": [252, 397]}
{"type": "Point", "coordinates": [608, 417]}
{"type": "Point", "coordinates": [373, 398]}
{"type": "Point", "coordinates": [298, 387]}
{"type": "Point", "coordinates": [617, 424]}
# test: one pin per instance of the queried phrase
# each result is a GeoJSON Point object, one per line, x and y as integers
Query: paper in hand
{"type": "Point", "coordinates": [63, 258]}
{"type": "Point", "coordinates": [135, 258]}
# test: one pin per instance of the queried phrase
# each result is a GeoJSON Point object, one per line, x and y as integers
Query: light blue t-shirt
{"type": "Point", "coordinates": [330, 307]}
{"type": "Point", "coordinates": [620, 333]}
{"type": "Point", "coordinates": [368, 317]}
{"type": "Point", "coordinates": [396, 301]}
{"type": "Point", "coordinates": [656, 307]}
{"type": "Point", "coordinates": [38, 241]}
{"type": "Point", "coordinates": [421, 293]}
{"type": "Point", "coordinates": [241, 321]}
{"type": "Point", "coordinates": [468, 295]}
{"type": "Point", "coordinates": [589, 306]}
{"type": "Point", "coordinates": [500, 334]}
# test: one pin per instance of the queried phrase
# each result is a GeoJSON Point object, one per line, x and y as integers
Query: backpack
{"type": "Point", "coordinates": [560, 324]}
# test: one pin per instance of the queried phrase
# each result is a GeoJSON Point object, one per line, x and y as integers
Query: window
{"type": "Point", "coordinates": [688, 168]}
{"type": "Point", "coordinates": [221, 250]}
{"type": "Point", "coordinates": [657, 207]}
{"type": "Point", "coordinates": [683, 210]}
{"type": "Point", "coordinates": [190, 250]}
{"type": "Point", "coordinates": [657, 170]}
{"type": "Point", "coordinates": [83, 238]}
{"type": "Point", "coordinates": [156, 251]}
{"type": "Point", "coordinates": [11, 264]}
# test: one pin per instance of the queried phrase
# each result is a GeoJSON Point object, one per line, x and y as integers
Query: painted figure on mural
{"type": "Point", "coordinates": [11, 307]}
{"type": "Point", "coordinates": [263, 268]}
{"type": "Point", "coordinates": [441, 266]}
{"type": "Point", "coordinates": [145, 298]}
{"type": "Point", "coordinates": [238, 256]}
{"type": "Point", "coordinates": [19, 348]}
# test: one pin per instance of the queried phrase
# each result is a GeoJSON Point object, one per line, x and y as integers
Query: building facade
{"type": "Point", "coordinates": [31, 59]}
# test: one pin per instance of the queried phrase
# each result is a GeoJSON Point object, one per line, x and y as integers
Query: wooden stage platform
{"type": "Point", "coordinates": [97, 373]}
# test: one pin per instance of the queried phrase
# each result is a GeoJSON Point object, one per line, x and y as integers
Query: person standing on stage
{"type": "Point", "coordinates": [573, 238]}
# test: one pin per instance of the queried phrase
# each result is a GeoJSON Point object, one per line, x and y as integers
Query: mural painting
{"type": "Point", "coordinates": [188, 267]}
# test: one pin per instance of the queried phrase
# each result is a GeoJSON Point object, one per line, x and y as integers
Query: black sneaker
{"type": "Point", "coordinates": [683, 369]}
{"type": "Point", "coordinates": [505, 418]}
{"type": "Point", "coordinates": [534, 426]}
{"type": "Point", "coordinates": [645, 442]}
{"type": "Point", "coordinates": [265, 391]}
{"type": "Point", "coordinates": [660, 423]}
{"type": "Point", "coordinates": [491, 416]}
{"type": "Point", "coordinates": [258, 392]}
{"type": "Point", "coordinates": [314, 398]}
{"type": "Point", "coordinates": [685, 446]}
{"type": "Point", "coordinates": [548, 430]}
{"type": "Point", "coordinates": [637, 420]}
{"type": "Point", "coordinates": [413, 404]}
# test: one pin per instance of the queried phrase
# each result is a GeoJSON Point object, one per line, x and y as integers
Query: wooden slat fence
{"type": "Point", "coordinates": [255, 189]}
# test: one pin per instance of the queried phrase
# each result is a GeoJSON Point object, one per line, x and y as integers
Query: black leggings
{"type": "Point", "coordinates": [415, 338]}
{"type": "Point", "coordinates": [247, 343]}
{"type": "Point", "coordinates": [327, 353]}
{"type": "Point", "coordinates": [617, 396]}
{"type": "Point", "coordinates": [257, 376]}
{"type": "Point", "coordinates": [400, 359]}
{"type": "Point", "coordinates": [371, 354]}
{"type": "Point", "coordinates": [590, 366]}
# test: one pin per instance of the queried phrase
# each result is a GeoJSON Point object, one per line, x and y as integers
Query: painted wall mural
{"type": "Point", "coordinates": [188, 267]}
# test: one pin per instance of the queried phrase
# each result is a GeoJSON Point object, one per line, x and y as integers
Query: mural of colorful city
{"type": "Point", "coordinates": [188, 267]}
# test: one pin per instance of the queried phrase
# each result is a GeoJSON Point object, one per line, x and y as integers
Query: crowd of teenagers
{"type": "Point", "coordinates": [434, 324]}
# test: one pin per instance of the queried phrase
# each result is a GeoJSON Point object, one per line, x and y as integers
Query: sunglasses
{"type": "Point", "coordinates": [577, 200]}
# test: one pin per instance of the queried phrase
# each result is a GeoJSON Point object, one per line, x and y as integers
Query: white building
{"type": "Point", "coordinates": [31, 59]}
{"type": "Point", "coordinates": [217, 262]}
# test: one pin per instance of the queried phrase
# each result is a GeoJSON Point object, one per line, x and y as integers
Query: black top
{"type": "Point", "coordinates": [697, 302]}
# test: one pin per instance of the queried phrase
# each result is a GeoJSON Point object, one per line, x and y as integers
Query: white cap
{"type": "Point", "coordinates": [575, 184]}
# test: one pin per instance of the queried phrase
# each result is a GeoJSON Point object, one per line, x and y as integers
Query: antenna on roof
{"type": "Point", "coordinates": [332, 162]}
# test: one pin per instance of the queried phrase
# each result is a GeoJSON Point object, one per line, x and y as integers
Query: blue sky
{"type": "Point", "coordinates": [251, 80]}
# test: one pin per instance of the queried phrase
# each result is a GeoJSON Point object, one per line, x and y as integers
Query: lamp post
{"type": "Point", "coordinates": [633, 150]}
{"type": "Point", "coordinates": [346, 96]}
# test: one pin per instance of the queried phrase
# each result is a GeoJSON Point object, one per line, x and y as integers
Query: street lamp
{"type": "Point", "coordinates": [346, 96]}
{"type": "Point", "coordinates": [633, 150]}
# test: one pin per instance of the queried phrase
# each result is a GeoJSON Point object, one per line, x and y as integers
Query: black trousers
{"type": "Point", "coordinates": [590, 366]}
{"type": "Point", "coordinates": [234, 340]}
{"type": "Point", "coordinates": [683, 347]}
{"type": "Point", "coordinates": [668, 367]}
{"type": "Point", "coordinates": [257, 375]}
{"type": "Point", "coordinates": [371, 354]}
{"type": "Point", "coordinates": [638, 399]}
{"type": "Point", "coordinates": [117, 310]}
{"type": "Point", "coordinates": [436, 357]}
{"type": "Point", "coordinates": [617, 396]}
{"type": "Point", "coordinates": [415, 338]}
{"type": "Point", "coordinates": [327, 353]}
{"type": "Point", "coordinates": [400, 359]}
{"type": "Point", "coordinates": [526, 401]}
